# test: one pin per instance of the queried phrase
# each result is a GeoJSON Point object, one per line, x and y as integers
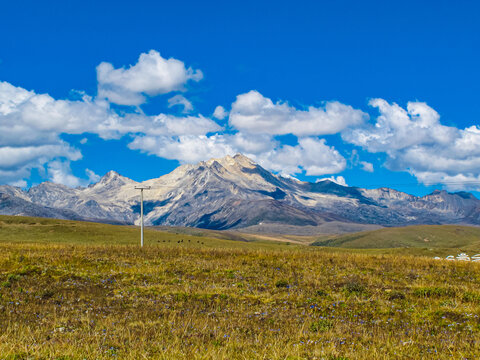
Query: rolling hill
{"type": "Point", "coordinates": [23, 229]}
{"type": "Point", "coordinates": [453, 237]}
{"type": "Point", "coordinates": [424, 240]}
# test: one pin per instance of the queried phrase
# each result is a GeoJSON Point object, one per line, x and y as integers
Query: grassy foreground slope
{"type": "Point", "coordinates": [60, 299]}
{"type": "Point", "coordinates": [424, 236]}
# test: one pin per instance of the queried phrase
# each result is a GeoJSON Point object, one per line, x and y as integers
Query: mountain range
{"type": "Point", "coordinates": [236, 193]}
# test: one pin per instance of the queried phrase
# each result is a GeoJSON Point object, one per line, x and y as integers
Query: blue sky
{"type": "Point", "coordinates": [379, 93]}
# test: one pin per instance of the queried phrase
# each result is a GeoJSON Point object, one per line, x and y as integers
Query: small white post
{"type": "Point", "coordinates": [141, 188]}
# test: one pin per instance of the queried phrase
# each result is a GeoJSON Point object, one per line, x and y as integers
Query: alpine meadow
{"type": "Point", "coordinates": [74, 290]}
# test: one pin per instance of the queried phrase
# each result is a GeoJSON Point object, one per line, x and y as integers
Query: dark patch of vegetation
{"type": "Point", "coordinates": [471, 297]}
{"type": "Point", "coordinates": [321, 292]}
{"type": "Point", "coordinates": [437, 292]}
{"type": "Point", "coordinates": [282, 284]}
{"type": "Point", "coordinates": [396, 295]}
{"type": "Point", "coordinates": [354, 287]}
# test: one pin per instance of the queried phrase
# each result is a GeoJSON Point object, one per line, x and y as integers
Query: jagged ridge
{"type": "Point", "coordinates": [235, 192]}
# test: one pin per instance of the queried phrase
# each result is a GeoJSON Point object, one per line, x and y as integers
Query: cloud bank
{"type": "Point", "coordinates": [412, 138]}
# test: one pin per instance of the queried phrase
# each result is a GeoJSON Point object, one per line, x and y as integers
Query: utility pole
{"type": "Point", "coordinates": [141, 188]}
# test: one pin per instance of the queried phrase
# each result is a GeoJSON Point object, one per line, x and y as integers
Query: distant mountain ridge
{"type": "Point", "coordinates": [235, 192]}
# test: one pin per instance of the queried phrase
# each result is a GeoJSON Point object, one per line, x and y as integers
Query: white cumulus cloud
{"type": "Point", "coordinates": [151, 75]}
{"type": "Point", "coordinates": [253, 144]}
{"type": "Point", "coordinates": [340, 180]}
{"type": "Point", "coordinates": [92, 177]}
{"type": "Point", "coordinates": [311, 155]}
{"type": "Point", "coordinates": [366, 166]}
{"type": "Point", "coordinates": [31, 126]}
{"type": "Point", "coordinates": [412, 137]}
{"type": "Point", "coordinates": [14, 157]}
{"type": "Point", "coordinates": [415, 141]}
{"type": "Point", "coordinates": [186, 148]}
{"type": "Point", "coordinates": [220, 113]}
{"type": "Point", "coordinates": [181, 101]}
{"type": "Point", "coordinates": [59, 171]}
{"type": "Point", "coordinates": [397, 128]}
{"type": "Point", "coordinates": [254, 113]}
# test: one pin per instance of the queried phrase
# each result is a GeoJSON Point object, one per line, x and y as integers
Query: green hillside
{"type": "Point", "coordinates": [20, 229]}
{"type": "Point", "coordinates": [453, 237]}
{"type": "Point", "coordinates": [413, 240]}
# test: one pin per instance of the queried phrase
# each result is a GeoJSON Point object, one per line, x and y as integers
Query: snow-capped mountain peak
{"type": "Point", "coordinates": [235, 192]}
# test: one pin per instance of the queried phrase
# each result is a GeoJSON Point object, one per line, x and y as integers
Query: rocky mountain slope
{"type": "Point", "coordinates": [234, 192]}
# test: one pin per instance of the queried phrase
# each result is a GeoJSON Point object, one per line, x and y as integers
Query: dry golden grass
{"type": "Point", "coordinates": [72, 290]}
{"type": "Point", "coordinates": [64, 301]}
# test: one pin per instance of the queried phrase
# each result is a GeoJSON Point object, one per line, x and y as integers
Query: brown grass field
{"type": "Point", "coordinates": [71, 290]}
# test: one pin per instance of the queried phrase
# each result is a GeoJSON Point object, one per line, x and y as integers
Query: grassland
{"type": "Point", "coordinates": [23, 230]}
{"type": "Point", "coordinates": [73, 290]}
{"type": "Point", "coordinates": [447, 237]}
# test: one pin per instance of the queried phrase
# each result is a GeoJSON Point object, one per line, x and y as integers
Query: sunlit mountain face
{"type": "Point", "coordinates": [236, 193]}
